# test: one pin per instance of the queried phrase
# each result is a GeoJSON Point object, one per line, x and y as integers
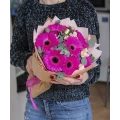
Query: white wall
{"type": "Point", "coordinates": [104, 44]}
{"type": "Point", "coordinates": [13, 89]}
{"type": "Point", "coordinates": [13, 94]}
{"type": "Point", "coordinates": [17, 100]}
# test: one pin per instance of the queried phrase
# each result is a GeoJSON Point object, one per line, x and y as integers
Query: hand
{"type": "Point", "coordinates": [71, 81]}
{"type": "Point", "coordinates": [29, 65]}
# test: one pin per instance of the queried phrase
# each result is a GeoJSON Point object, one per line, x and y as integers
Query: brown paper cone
{"type": "Point", "coordinates": [39, 88]}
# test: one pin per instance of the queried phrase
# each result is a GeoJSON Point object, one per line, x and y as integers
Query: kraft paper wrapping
{"type": "Point", "coordinates": [39, 88]}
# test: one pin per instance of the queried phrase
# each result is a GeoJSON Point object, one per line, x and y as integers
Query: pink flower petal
{"type": "Point", "coordinates": [56, 28]}
{"type": "Point", "coordinates": [82, 39]}
{"type": "Point", "coordinates": [70, 65]}
{"type": "Point", "coordinates": [53, 60]}
{"type": "Point", "coordinates": [74, 45]}
{"type": "Point", "coordinates": [89, 61]}
{"type": "Point", "coordinates": [46, 41]}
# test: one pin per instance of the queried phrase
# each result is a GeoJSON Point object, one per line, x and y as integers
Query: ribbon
{"type": "Point", "coordinates": [30, 83]}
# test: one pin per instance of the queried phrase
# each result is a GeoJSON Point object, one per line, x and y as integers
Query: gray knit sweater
{"type": "Point", "coordinates": [31, 14]}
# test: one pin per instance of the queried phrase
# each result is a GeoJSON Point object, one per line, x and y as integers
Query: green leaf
{"type": "Point", "coordinates": [47, 30]}
{"type": "Point", "coordinates": [91, 43]}
{"type": "Point", "coordinates": [39, 50]}
{"type": "Point", "coordinates": [93, 58]}
{"type": "Point", "coordinates": [58, 36]}
{"type": "Point", "coordinates": [61, 39]}
{"type": "Point", "coordinates": [62, 45]}
{"type": "Point", "coordinates": [58, 48]}
{"type": "Point", "coordinates": [84, 61]}
{"type": "Point", "coordinates": [67, 53]}
{"type": "Point", "coordinates": [60, 75]}
{"type": "Point", "coordinates": [62, 51]}
{"type": "Point", "coordinates": [57, 21]}
{"type": "Point", "coordinates": [42, 54]}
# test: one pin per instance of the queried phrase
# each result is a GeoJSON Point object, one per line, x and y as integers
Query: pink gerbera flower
{"type": "Point", "coordinates": [74, 45]}
{"type": "Point", "coordinates": [46, 41]}
{"type": "Point", "coordinates": [56, 28]}
{"type": "Point", "coordinates": [89, 61]}
{"type": "Point", "coordinates": [70, 65]}
{"type": "Point", "coordinates": [53, 60]}
{"type": "Point", "coordinates": [81, 38]}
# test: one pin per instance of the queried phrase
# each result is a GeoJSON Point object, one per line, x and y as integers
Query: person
{"type": "Point", "coordinates": [67, 99]}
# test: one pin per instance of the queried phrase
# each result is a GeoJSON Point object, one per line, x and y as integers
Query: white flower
{"type": "Point", "coordinates": [74, 34]}
{"type": "Point", "coordinates": [84, 53]}
{"type": "Point", "coordinates": [66, 37]}
{"type": "Point", "coordinates": [71, 34]}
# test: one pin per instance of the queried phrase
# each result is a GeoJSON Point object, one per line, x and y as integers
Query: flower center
{"type": "Point", "coordinates": [55, 60]}
{"type": "Point", "coordinates": [72, 47]}
{"type": "Point", "coordinates": [69, 64]}
{"type": "Point", "coordinates": [47, 42]}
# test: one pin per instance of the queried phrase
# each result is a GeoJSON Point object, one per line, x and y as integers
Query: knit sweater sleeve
{"type": "Point", "coordinates": [93, 26]}
{"type": "Point", "coordinates": [19, 52]}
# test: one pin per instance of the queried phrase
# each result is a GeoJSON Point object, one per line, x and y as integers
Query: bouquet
{"type": "Point", "coordinates": [61, 49]}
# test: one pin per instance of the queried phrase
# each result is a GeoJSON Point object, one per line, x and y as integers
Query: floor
{"type": "Point", "coordinates": [97, 99]}
{"type": "Point", "coordinates": [97, 102]}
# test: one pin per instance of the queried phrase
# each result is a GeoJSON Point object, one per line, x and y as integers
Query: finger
{"type": "Point", "coordinates": [63, 82]}
{"type": "Point", "coordinates": [78, 82]}
{"type": "Point", "coordinates": [73, 81]}
{"type": "Point", "coordinates": [29, 70]}
{"type": "Point", "coordinates": [54, 82]}
{"type": "Point", "coordinates": [70, 80]}
{"type": "Point", "coordinates": [81, 77]}
{"type": "Point", "coordinates": [67, 79]}
{"type": "Point", "coordinates": [29, 66]}
{"type": "Point", "coordinates": [59, 82]}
